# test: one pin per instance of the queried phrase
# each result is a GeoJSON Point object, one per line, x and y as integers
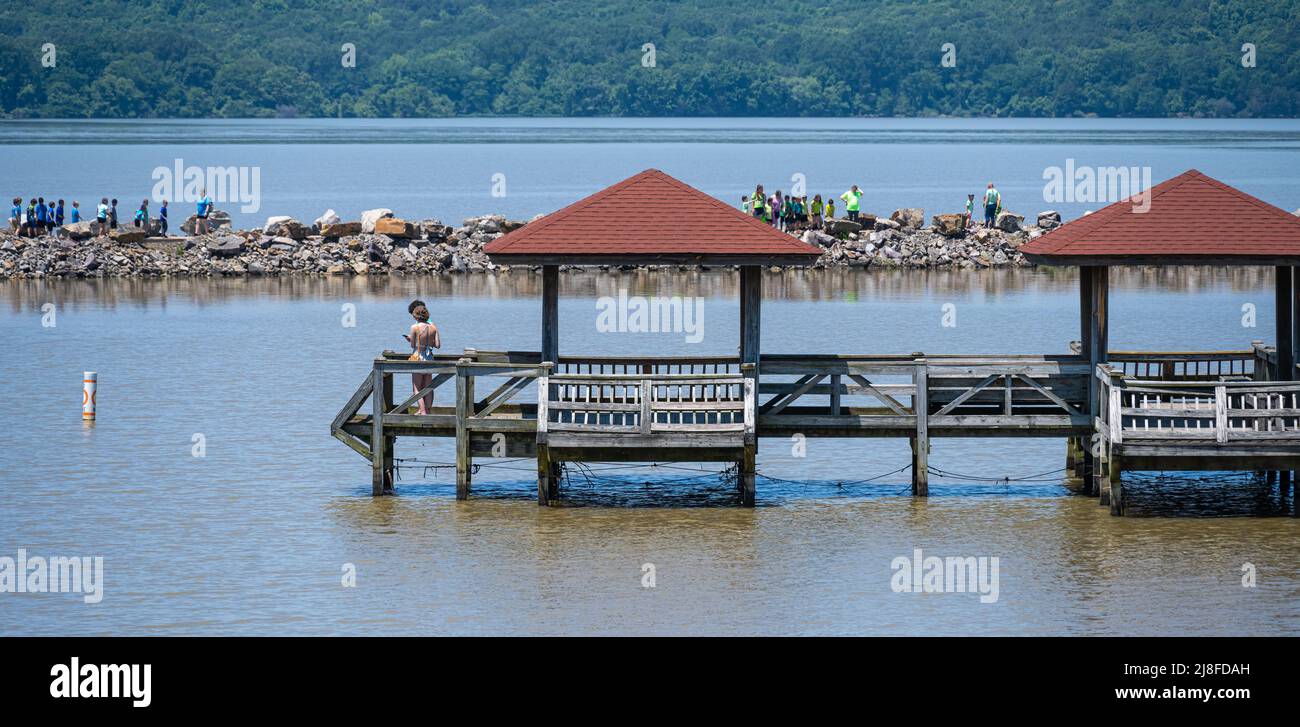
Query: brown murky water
{"type": "Point", "coordinates": [255, 536]}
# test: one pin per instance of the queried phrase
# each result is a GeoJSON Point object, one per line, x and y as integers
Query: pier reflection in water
{"type": "Point", "coordinates": [252, 537]}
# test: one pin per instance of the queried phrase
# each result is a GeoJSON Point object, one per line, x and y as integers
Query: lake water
{"type": "Point", "coordinates": [447, 169]}
{"type": "Point", "coordinates": [253, 537]}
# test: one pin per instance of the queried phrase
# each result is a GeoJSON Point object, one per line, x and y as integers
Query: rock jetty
{"type": "Point", "coordinates": [383, 244]}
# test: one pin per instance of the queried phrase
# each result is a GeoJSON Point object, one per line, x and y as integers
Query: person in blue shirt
{"type": "Point", "coordinates": [101, 216]}
{"type": "Point", "coordinates": [56, 218]}
{"type": "Point", "coordinates": [42, 216]}
{"type": "Point", "coordinates": [16, 216]}
{"type": "Point", "coordinates": [162, 219]}
{"type": "Point", "coordinates": [204, 207]}
{"type": "Point", "coordinates": [75, 215]}
{"type": "Point", "coordinates": [142, 215]}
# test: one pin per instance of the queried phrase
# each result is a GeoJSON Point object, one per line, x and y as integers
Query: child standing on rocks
{"type": "Point", "coordinates": [112, 216]}
{"type": "Point", "coordinates": [142, 215]}
{"type": "Point", "coordinates": [101, 216]}
{"type": "Point", "coordinates": [16, 215]}
{"type": "Point", "coordinates": [162, 219]}
{"type": "Point", "coordinates": [75, 214]}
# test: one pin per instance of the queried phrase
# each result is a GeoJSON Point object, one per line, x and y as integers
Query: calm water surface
{"type": "Point", "coordinates": [252, 537]}
{"type": "Point", "coordinates": [449, 168]}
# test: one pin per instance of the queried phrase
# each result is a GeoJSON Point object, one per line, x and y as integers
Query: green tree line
{"type": "Point", "coordinates": [414, 58]}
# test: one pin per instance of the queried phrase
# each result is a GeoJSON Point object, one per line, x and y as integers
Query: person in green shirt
{"type": "Point", "coordinates": [992, 203]}
{"type": "Point", "coordinates": [758, 203]}
{"type": "Point", "coordinates": [970, 211]}
{"type": "Point", "coordinates": [817, 209]}
{"type": "Point", "coordinates": [852, 201]}
{"type": "Point", "coordinates": [830, 208]}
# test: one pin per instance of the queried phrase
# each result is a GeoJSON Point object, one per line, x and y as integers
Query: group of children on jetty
{"type": "Point", "coordinates": [47, 218]}
{"type": "Point", "coordinates": [789, 213]}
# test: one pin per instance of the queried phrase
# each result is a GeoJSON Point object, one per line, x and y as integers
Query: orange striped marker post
{"type": "Point", "coordinates": [88, 383]}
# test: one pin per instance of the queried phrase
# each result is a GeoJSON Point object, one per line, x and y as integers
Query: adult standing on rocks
{"type": "Point", "coordinates": [852, 202]}
{"type": "Point", "coordinates": [201, 214]}
{"type": "Point", "coordinates": [992, 201]}
{"type": "Point", "coordinates": [424, 338]}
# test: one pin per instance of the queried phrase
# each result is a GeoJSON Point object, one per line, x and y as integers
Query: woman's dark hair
{"type": "Point", "coordinates": [418, 309]}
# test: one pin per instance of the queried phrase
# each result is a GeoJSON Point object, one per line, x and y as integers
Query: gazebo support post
{"type": "Point", "coordinates": [920, 442]}
{"type": "Point", "coordinates": [464, 410]}
{"type": "Point", "coordinates": [1094, 305]}
{"type": "Point", "coordinates": [751, 317]}
{"type": "Point", "coordinates": [1284, 302]}
{"type": "Point", "coordinates": [1086, 461]}
{"type": "Point", "coordinates": [1097, 346]}
{"type": "Point", "coordinates": [548, 485]}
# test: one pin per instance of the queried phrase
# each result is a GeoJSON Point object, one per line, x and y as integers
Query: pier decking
{"type": "Point", "coordinates": [1118, 410]}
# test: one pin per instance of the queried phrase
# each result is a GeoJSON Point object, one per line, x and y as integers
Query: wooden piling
{"type": "Point", "coordinates": [1114, 490]}
{"type": "Point", "coordinates": [464, 410]}
{"type": "Point", "coordinates": [390, 442]}
{"type": "Point", "coordinates": [921, 442]}
{"type": "Point", "coordinates": [1100, 483]}
{"type": "Point", "coordinates": [378, 442]}
{"type": "Point", "coordinates": [544, 473]}
{"type": "Point", "coordinates": [746, 474]}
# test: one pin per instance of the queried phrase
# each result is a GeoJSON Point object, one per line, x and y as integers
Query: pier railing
{"type": "Point", "coordinates": [1207, 411]}
{"type": "Point", "coordinates": [1256, 363]}
{"type": "Point", "coordinates": [953, 391]}
{"type": "Point", "coordinates": [649, 403]}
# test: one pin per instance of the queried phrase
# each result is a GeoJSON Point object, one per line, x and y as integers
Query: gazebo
{"type": "Point", "coordinates": [1174, 223]}
{"type": "Point", "coordinates": [652, 218]}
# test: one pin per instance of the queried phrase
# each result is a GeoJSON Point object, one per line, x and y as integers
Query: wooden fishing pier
{"type": "Point", "coordinates": [1118, 410]}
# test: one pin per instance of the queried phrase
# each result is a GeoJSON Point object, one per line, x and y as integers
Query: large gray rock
{"type": "Point", "coordinates": [913, 217]}
{"type": "Point", "coordinates": [1010, 222]}
{"type": "Point", "coordinates": [329, 218]}
{"type": "Point", "coordinates": [836, 226]}
{"type": "Point", "coordinates": [285, 227]}
{"type": "Point", "coordinates": [821, 239]}
{"type": "Point", "coordinates": [128, 235]}
{"type": "Point", "coordinates": [1051, 219]}
{"type": "Point", "coordinates": [340, 229]}
{"type": "Point", "coordinates": [225, 246]}
{"type": "Point", "coordinates": [81, 230]}
{"type": "Point", "coordinates": [273, 221]}
{"type": "Point", "coordinates": [949, 225]}
{"type": "Point", "coordinates": [370, 217]}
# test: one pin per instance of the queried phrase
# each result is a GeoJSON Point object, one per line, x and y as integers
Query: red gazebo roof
{"type": "Point", "coordinates": [650, 218]}
{"type": "Point", "coordinates": [1191, 219]}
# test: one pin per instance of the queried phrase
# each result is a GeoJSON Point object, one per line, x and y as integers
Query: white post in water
{"type": "Point", "coordinates": [88, 383]}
